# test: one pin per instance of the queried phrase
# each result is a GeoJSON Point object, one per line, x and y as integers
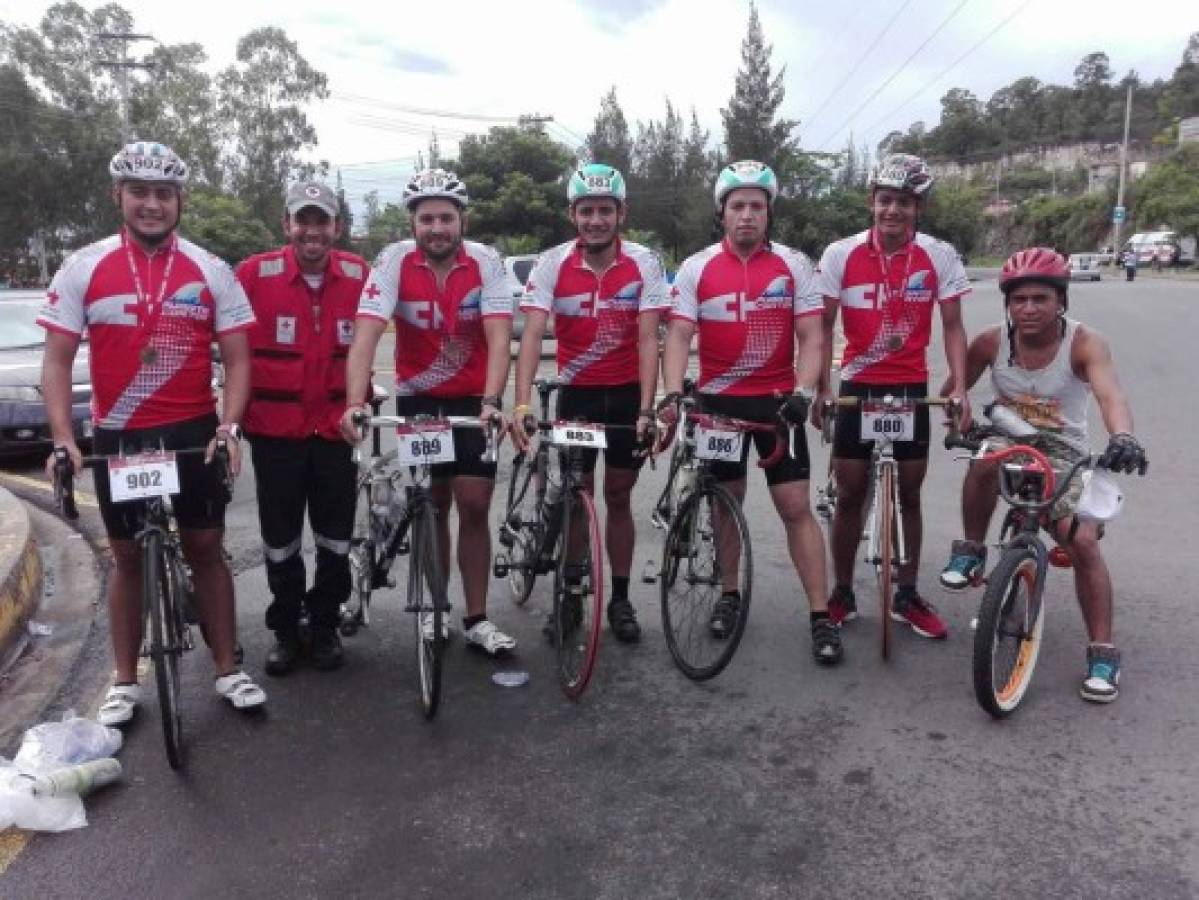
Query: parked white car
{"type": "Point", "coordinates": [1084, 267]}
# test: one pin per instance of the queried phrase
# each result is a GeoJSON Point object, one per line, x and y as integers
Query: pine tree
{"type": "Point", "coordinates": [750, 129]}
{"type": "Point", "coordinates": [610, 141]}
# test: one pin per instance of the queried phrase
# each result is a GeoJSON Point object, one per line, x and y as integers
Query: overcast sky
{"type": "Point", "coordinates": [504, 58]}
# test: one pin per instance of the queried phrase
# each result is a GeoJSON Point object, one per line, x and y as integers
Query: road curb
{"type": "Point", "coordinates": [20, 571]}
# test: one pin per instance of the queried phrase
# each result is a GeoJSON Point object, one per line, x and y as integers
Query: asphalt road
{"type": "Point", "coordinates": [778, 779]}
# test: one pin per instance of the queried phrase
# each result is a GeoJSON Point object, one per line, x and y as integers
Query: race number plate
{"type": "Point", "coordinates": [713, 443]}
{"type": "Point", "coordinates": [432, 443]}
{"type": "Point", "coordinates": [571, 434]}
{"type": "Point", "coordinates": [142, 476]}
{"type": "Point", "coordinates": [895, 422]}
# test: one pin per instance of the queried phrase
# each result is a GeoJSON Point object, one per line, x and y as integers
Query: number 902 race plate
{"type": "Point", "coordinates": [143, 475]}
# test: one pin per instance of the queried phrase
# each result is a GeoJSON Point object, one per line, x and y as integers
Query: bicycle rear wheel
{"type": "Point", "coordinates": [578, 594]}
{"type": "Point", "coordinates": [886, 549]}
{"type": "Point", "coordinates": [363, 557]}
{"type": "Point", "coordinates": [1007, 640]}
{"type": "Point", "coordinates": [427, 600]}
{"type": "Point", "coordinates": [520, 530]}
{"type": "Point", "coordinates": [707, 538]}
{"type": "Point", "coordinates": [160, 594]}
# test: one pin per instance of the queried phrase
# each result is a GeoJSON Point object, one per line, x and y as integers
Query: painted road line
{"type": "Point", "coordinates": [82, 498]}
{"type": "Point", "coordinates": [12, 842]}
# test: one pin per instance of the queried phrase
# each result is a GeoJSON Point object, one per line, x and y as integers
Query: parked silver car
{"type": "Point", "coordinates": [24, 428]}
{"type": "Point", "coordinates": [517, 269]}
{"type": "Point", "coordinates": [1084, 267]}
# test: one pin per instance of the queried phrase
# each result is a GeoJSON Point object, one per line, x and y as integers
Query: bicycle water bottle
{"type": "Point", "coordinates": [1009, 422]}
{"type": "Point", "coordinates": [684, 484]}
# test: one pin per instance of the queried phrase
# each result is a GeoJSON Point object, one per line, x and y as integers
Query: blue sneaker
{"type": "Point", "coordinates": [965, 567]}
{"type": "Point", "coordinates": [1102, 684]}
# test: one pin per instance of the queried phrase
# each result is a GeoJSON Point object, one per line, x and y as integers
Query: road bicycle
{"type": "Point", "coordinates": [148, 479]}
{"type": "Point", "coordinates": [550, 524]}
{"type": "Point", "coordinates": [884, 420]}
{"type": "Point", "coordinates": [706, 552]}
{"type": "Point", "coordinates": [1007, 636]}
{"type": "Point", "coordinates": [396, 518]}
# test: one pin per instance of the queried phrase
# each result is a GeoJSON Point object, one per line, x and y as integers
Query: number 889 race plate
{"type": "Point", "coordinates": [896, 421]}
{"type": "Point", "coordinates": [425, 445]}
{"type": "Point", "coordinates": [143, 475]}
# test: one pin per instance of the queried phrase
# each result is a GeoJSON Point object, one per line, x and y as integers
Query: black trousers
{"type": "Point", "coordinates": [291, 475]}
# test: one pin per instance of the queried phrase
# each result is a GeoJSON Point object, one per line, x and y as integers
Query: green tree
{"type": "Point", "coordinates": [963, 132]}
{"type": "Point", "coordinates": [750, 128]}
{"type": "Point", "coordinates": [224, 225]}
{"type": "Point", "coordinates": [1093, 94]}
{"type": "Point", "coordinates": [610, 141]}
{"type": "Point", "coordinates": [384, 225]}
{"type": "Point", "coordinates": [955, 214]}
{"type": "Point", "coordinates": [1168, 195]}
{"type": "Point", "coordinates": [1180, 98]}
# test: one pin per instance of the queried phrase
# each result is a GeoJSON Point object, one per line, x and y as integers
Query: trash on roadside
{"type": "Point", "coordinates": [57, 764]}
{"type": "Point", "coordinates": [39, 629]}
{"type": "Point", "coordinates": [510, 679]}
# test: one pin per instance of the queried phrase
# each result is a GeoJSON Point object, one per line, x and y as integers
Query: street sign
{"type": "Point", "coordinates": [1119, 214]}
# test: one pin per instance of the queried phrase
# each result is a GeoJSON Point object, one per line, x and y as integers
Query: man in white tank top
{"type": "Point", "coordinates": [1045, 367]}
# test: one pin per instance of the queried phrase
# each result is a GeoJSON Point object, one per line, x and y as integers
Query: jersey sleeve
{"type": "Point", "coordinates": [64, 307]}
{"type": "Point", "coordinates": [539, 290]}
{"type": "Point", "coordinates": [830, 273]}
{"type": "Point", "coordinates": [496, 298]}
{"type": "Point", "coordinates": [655, 292]}
{"type": "Point", "coordinates": [952, 282]}
{"type": "Point", "coordinates": [233, 310]}
{"type": "Point", "coordinates": [378, 300]}
{"type": "Point", "coordinates": [684, 303]}
{"type": "Point", "coordinates": [809, 299]}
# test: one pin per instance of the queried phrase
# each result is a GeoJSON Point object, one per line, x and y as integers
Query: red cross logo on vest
{"type": "Point", "coordinates": [372, 291]}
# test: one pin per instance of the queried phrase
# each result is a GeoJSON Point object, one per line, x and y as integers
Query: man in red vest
{"type": "Point", "coordinates": [304, 296]}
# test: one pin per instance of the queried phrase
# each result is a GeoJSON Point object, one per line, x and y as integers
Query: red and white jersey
{"type": "Point", "coordinates": [440, 347]}
{"type": "Point", "coordinates": [595, 315]}
{"type": "Point", "coordinates": [745, 312]}
{"type": "Point", "coordinates": [151, 358]}
{"type": "Point", "coordinates": [887, 303]}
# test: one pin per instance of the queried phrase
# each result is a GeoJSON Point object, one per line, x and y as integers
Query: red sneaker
{"type": "Point", "coordinates": [910, 607]}
{"type": "Point", "coordinates": [842, 606]}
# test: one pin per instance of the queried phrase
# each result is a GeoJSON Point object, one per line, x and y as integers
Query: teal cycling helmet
{"type": "Point", "coordinates": [596, 180]}
{"type": "Point", "coordinates": [743, 174]}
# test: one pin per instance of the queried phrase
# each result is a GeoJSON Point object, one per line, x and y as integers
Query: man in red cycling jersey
{"type": "Point", "coordinates": [1045, 368]}
{"type": "Point", "coordinates": [756, 307]}
{"type": "Point", "coordinates": [305, 297]}
{"type": "Point", "coordinates": [452, 311]}
{"type": "Point", "coordinates": [606, 296]}
{"type": "Point", "coordinates": [152, 303]}
{"type": "Point", "coordinates": [884, 281]}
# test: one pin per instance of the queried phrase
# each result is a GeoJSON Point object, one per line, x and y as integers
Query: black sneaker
{"type": "Point", "coordinates": [724, 615]}
{"type": "Point", "coordinates": [842, 605]}
{"type": "Point", "coordinates": [284, 655]}
{"type": "Point", "coordinates": [826, 642]}
{"type": "Point", "coordinates": [623, 621]}
{"type": "Point", "coordinates": [326, 649]}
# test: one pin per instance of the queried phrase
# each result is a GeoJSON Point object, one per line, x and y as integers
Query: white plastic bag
{"type": "Point", "coordinates": [52, 745]}
{"type": "Point", "coordinates": [19, 807]}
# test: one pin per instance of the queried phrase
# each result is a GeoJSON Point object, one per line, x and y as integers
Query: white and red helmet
{"type": "Point", "coordinates": [148, 161]}
{"type": "Point", "coordinates": [902, 172]}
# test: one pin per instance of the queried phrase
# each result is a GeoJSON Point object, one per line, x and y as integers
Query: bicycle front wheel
{"type": "Point", "coordinates": [160, 594]}
{"type": "Point", "coordinates": [427, 600]}
{"type": "Point", "coordinates": [885, 534]}
{"type": "Point", "coordinates": [578, 594]}
{"type": "Point", "coordinates": [520, 531]}
{"type": "Point", "coordinates": [363, 554]}
{"type": "Point", "coordinates": [1008, 637]}
{"type": "Point", "coordinates": [706, 553]}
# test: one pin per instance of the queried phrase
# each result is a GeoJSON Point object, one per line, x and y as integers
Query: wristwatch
{"type": "Point", "coordinates": [493, 400]}
{"type": "Point", "coordinates": [232, 429]}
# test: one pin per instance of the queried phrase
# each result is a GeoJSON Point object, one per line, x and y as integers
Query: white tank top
{"type": "Point", "coordinates": [1053, 398]}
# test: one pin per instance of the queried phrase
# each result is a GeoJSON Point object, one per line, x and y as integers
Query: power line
{"type": "Point", "coordinates": [854, 68]}
{"type": "Point", "coordinates": [418, 110]}
{"type": "Point", "coordinates": [882, 87]}
{"type": "Point", "coordinates": [953, 65]}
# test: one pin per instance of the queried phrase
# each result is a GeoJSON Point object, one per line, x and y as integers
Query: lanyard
{"type": "Point", "coordinates": [884, 267]}
{"type": "Point", "coordinates": [148, 309]}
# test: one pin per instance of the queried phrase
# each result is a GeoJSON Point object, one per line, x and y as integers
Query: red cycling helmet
{"type": "Point", "coordinates": [1035, 264]}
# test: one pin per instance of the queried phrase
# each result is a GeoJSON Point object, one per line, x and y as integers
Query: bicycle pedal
{"type": "Point", "coordinates": [500, 566]}
{"type": "Point", "coordinates": [649, 573]}
{"type": "Point", "coordinates": [506, 538]}
{"type": "Point", "coordinates": [402, 549]}
{"type": "Point", "coordinates": [658, 520]}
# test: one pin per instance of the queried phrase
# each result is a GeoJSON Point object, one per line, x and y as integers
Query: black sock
{"type": "Point", "coordinates": [620, 587]}
{"type": "Point", "coordinates": [469, 622]}
{"type": "Point", "coordinates": [820, 616]}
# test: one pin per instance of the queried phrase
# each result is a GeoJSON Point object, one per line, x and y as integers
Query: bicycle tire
{"type": "Point", "coordinates": [691, 564]}
{"type": "Point", "coordinates": [362, 563]}
{"type": "Point", "coordinates": [886, 551]}
{"type": "Point", "coordinates": [427, 598]}
{"type": "Point", "coordinates": [1007, 640]}
{"type": "Point", "coordinates": [578, 643]}
{"type": "Point", "coordinates": [158, 595]}
{"type": "Point", "coordinates": [522, 520]}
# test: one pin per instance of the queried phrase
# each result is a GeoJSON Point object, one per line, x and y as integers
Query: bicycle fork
{"type": "Point", "coordinates": [873, 551]}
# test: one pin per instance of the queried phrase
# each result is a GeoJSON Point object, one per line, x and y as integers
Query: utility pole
{"type": "Point", "coordinates": [533, 120]}
{"type": "Point", "coordinates": [122, 67]}
{"type": "Point", "coordinates": [1118, 214]}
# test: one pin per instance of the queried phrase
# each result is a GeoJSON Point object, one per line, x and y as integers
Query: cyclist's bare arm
{"type": "Point", "coordinates": [679, 332]}
{"type": "Point", "coordinates": [367, 331]}
{"type": "Point", "coordinates": [56, 391]}
{"type": "Point", "coordinates": [1091, 358]}
{"type": "Point", "coordinates": [648, 321]}
{"type": "Point", "coordinates": [809, 351]}
{"type": "Point", "coordinates": [956, 353]}
{"type": "Point", "coordinates": [529, 354]}
{"type": "Point", "coordinates": [824, 383]}
{"type": "Point", "coordinates": [235, 357]}
{"type": "Point", "coordinates": [978, 358]}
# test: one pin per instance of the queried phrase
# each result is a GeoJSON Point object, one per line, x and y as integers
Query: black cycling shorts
{"type": "Point", "coordinates": [202, 497]}
{"type": "Point", "coordinates": [758, 408]}
{"type": "Point", "coordinates": [617, 405]}
{"type": "Point", "coordinates": [469, 443]}
{"type": "Point", "coordinates": [847, 434]}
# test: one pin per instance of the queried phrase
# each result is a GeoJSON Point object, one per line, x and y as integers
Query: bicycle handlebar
{"type": "Point", "coordinates": [364, 421]}
{"type": "Point", "coordinates": [1053, 487]}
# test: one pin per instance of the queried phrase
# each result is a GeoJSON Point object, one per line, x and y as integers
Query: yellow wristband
{"type": "Point", "coordinates": [521, 409]}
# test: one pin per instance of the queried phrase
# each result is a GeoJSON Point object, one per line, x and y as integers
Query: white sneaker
{"type": "Point", "coordinates": [426, 626]}
{"type": "Point", "coordinates": [119, 704]}
{"type": "Point", "coordinates": [489, 639]}
{"type": "Point", "coordinates": [240, 690]}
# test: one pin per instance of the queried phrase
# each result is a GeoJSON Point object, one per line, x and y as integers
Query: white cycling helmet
{"type": "Point", "coordinates": [148, 161]}
{"type": "Point", "coordinates": [596, 180]}
{"type": "Point", "coordinates": [902, 172]}
{"type": "Point", "coordinates": [746, 173]}
{"type": "Point", "coordinates": [431, 183]}
{"type": "Point", "coordinates": [1100, 500]}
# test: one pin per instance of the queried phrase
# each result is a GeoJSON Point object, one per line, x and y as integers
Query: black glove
{"type": "Point", "coordinates": [529, 423]}
{"type": "Point", "coordinates": [1124, 454]}
{"type": "Point", "coordinates": [795, 408]}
